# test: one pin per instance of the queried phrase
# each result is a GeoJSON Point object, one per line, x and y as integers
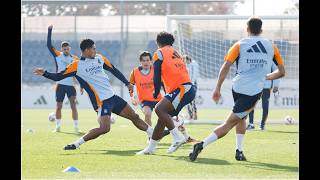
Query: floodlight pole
{"type": "Point", "coordinates": [121, 45]}
{"type": "Point", "coordinates": [254, 7]}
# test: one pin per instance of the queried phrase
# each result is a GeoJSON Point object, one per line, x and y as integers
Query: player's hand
{"type": "Point", "coordinates": [275, 89]}
{"type": "Point", "coordinates": [155, 95]}
{"type": "Point", "coordinates": [130, 88]}
{"type": "Point", "coordinates": [38, 71]}
{"type": "Point", "coordinates": [81, 91]}
{"type": "Point", "coordinates": [216, 95]}
{"type": "Point", "coordinates": [50, 27]}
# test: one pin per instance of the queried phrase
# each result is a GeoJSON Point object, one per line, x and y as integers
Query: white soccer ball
{"type": "Point", "coordinates": [288, 120]}
{"type": "Point", "coordinates": [52, 117]}
{"type": "Point", "coordinates": [177, 121]}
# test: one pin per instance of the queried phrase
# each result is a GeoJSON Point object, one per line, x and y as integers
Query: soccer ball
{"type": "Point", "coordinates": [288, 120]}
{"type": "Point", "coordinates": [52, 117]}
{"type": "Point", "coordinates": [177, 121]}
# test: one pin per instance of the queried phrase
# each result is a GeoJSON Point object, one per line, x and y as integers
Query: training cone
{"type": "Point", "coordinates": [71, 169]}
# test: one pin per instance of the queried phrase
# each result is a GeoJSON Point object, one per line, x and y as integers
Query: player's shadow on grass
{"type": "Point", "coordinates": [289, 132]}
{"type": "Point", "coordinates": [199, 160]}
{"type": "Point", "coordinates": [115, 152]}
{"type": "Point", "coordinates": [74, 133]}
{"type": "Point", "coordinates": [269, 166]}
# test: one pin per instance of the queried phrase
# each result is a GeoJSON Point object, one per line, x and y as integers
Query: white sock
{"type": "Point", "coordinates": [152, 144]}
{"type": "Point", "coordinates": [210, 139]}
{"type": "Point", "coordinates": [239, 139]}
{"type": "Point", "coordinates": [149, 131]}
{"type": "Point", "coordinates": [75, 123]}
{"type": "Point", "coordinates": [58, 123]}
{"type": "Point", "coordinates": [175, 134]}
{"type": "Point", "coordinates": [251, 124]}
{"type": "Point", "coordinates": [79, 142]}
{"type": "Point", "coordinates": [185, 133]}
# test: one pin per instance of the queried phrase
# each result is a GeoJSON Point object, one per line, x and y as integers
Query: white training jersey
{"type": "Point", "coordinates": [254, 56]}
{"type": "Point", "coordinates": [91, 75]}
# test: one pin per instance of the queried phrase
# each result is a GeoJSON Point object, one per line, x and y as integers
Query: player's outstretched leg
{"type": "Point", "coordinates": [218, 133]}
{"type": "Point", "coordinates": [104, 127]}
{"type": "Point", "coordinates": [128, 113]}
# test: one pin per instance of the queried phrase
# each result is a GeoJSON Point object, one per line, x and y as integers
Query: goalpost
{"type": "Point", "coordinates": [207, 38]}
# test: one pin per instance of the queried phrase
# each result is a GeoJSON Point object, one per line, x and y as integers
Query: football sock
{"type": "Point", "coordinates": [210, 139]}
{"type": "Point", "coordinates": [239, 139]}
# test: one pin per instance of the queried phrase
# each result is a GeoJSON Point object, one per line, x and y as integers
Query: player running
{"type": "Point", "coordinates": [254, 56]}
{"type": "Point", "coordinates": [89, 71]}
{"type": "Point", "coordinates": [171, 70]}
{"type": "Point", "coordinates": [65, 86]}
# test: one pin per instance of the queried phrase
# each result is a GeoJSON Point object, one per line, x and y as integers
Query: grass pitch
{"type": "Point", "coordinates": [272, 153]}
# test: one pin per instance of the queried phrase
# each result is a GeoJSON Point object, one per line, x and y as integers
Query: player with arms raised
{"type": "Point", "coordinates": [65, 86]}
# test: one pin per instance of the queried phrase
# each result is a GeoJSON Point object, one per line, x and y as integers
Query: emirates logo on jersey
{"type": "Point", "coordinates": [94, 70]}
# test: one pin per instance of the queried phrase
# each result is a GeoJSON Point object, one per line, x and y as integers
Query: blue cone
{"type": "Point", "coordinates": [71, 169]}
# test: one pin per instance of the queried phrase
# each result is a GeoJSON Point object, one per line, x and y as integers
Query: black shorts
{"type": "Point", "coordinates": [244, 104]}
{"type": "Point", "coordinates": [151, 104]}
{"type": "Point", "coordinates": [114, 104]}
{"type": "Point", "coordinates": [180, 100]}
{"type": "Point", "coordinates": [62, 90]}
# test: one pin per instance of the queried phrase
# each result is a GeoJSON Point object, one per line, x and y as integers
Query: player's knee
{"type": "Point", "coordinates": [158, 110]}
{"type": "Point", "coordinates": [73, 106]}
{"type": "Point", "coordinates": [148, 113]}
{"type": "Point", "coordinates": [104, 130]}
{"type": "Point", "coordinates": [59, 107]}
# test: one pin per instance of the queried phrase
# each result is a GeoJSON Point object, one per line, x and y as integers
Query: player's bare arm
{"type": "Point", "coordinates": [222, 75]}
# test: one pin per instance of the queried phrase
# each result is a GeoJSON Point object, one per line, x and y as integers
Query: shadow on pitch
{"type": "Point", "coordinates": [199, 160]}
{"type": "Point", "coordinates": [106, 152]}
{"type": "Point", "coordinates": [115, 152]}
{"type": "Point", "coordinates": [269, 166]}
{"type": "Point", "coordinates": [77, 134]}
{"type": "Point", "coordinates": [290, 132]}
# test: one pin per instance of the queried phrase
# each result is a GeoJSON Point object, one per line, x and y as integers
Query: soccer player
{"type": "Point", "coordinates": [65, 86]}
{"type": "Point", "coordinates": [171, 70]}
{"type": "Point", "coordinates": [89, 71]}
{"type": "Point", "coordinates": [254, 56]}
{"type": "Point", "coordinates": [142, 78]}
{"type": "Point", "coordinates": [268, 85]}
{"type": "Point", "coordinates": [193, 69]}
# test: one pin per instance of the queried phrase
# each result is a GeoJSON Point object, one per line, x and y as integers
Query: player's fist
{"type": "Point", "coordinates": [50, 27]}
{"type": "Point", "coordinates": [38, 71]}
{"type": "Point", "coordinates": [81, 91]}
{"type": "Point", "coordinates": [130, 88]}
{"type": "Point", "coordinates": [155, 95]}
{"type": "Point", "coordinates": [275, 89]}
{"type": "Point", "coordinates": [216, 96]}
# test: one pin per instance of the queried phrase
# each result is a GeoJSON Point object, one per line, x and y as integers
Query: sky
{"type": "Point", "coordinates": [264, 7]}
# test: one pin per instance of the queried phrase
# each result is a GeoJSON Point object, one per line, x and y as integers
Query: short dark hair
{"type": "Point", "coordinates": [86, 43]}
{"type": "Point", "coordinates": [65, 44]}
{"type": "Point", "coordinates": [255, 24]}
{"type": "Point", "coordinates": [165, 38]}
{"type": "Point", "coordinates": [145, 53]}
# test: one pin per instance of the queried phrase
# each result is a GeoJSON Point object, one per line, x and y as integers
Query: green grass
{"type": "Point", "coordinates": [271, 154]}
